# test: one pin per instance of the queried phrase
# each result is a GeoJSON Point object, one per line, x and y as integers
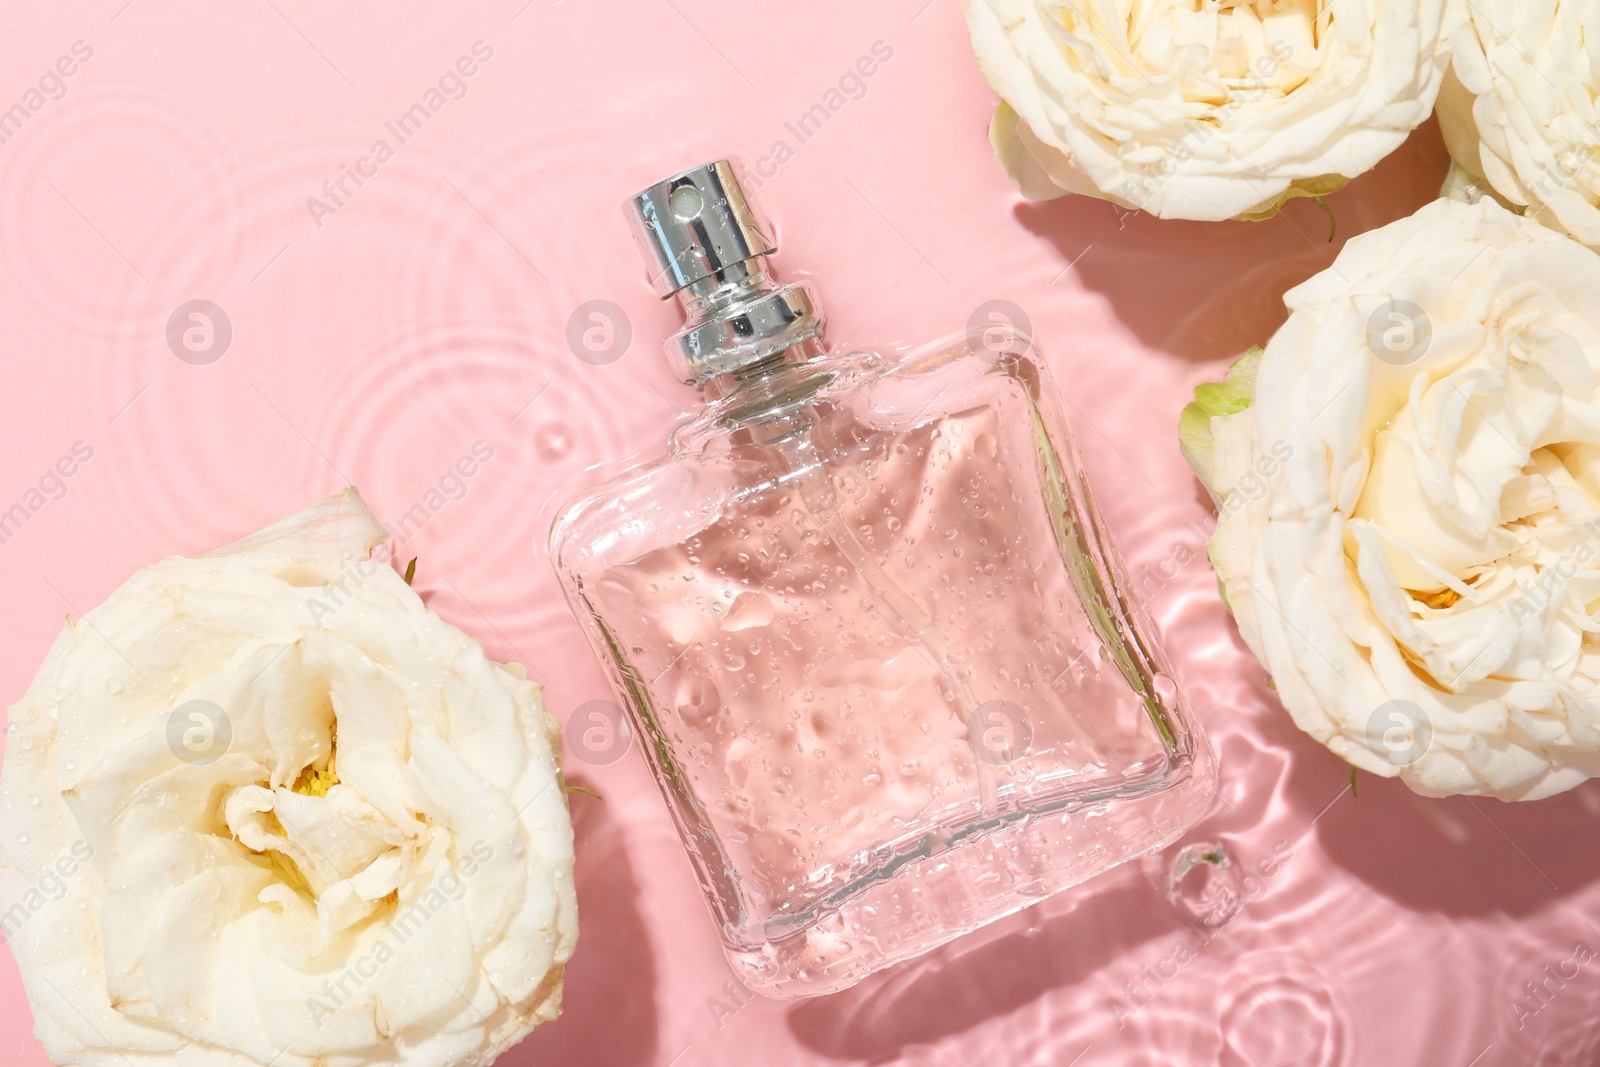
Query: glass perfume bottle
{"type": "Point", "coordinates": [866, 623]}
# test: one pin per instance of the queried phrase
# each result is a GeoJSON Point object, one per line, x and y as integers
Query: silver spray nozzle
{"type": "Point", "coordinates": [697, 224]}
{"type": "Point", "coordinates": [704, 242]}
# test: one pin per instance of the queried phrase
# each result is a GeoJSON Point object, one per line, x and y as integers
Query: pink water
{"type": "Point", "coordinates": [432, 307]}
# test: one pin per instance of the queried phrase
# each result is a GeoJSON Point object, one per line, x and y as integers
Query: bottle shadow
{"type": "Point", "coordinates": [1207, 291]}
{"type": "Point", "coordinates": [988, 973]}
{"type": "Point", "coordinates": [610, 997]}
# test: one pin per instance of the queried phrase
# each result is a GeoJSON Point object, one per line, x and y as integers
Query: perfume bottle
{"type": "Point", "coordinates": [866, 624]}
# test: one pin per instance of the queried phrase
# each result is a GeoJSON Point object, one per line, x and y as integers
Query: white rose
{"type": "Point", "coordinates": [1205, 111]}
{"type": "Point", "coordinates": [263, 807]}
{"type": "Point", "coordinates": [1518, 109]}
{"type": "Point", "coordinates": [1409, 528]}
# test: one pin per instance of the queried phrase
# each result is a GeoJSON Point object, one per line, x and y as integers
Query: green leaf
{"type": "Point", "coordinates": [1228, 397]}
{"type": "Point", "coordinates": [1315, 187]}
{"type": "Point", "coordinates": [411, 570]}
{"type": "Point", "coordinates": [1333, 223]}
{"type": "Point", "coordinates": [1353, 791]}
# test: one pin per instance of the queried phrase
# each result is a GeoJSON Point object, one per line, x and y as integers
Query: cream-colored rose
{"type": "Point", "coordinates": [1409, 495]}
{"type": "Point", "coordinates": [1519, 113]}
{"type": "Point", "coordinates": [1205, 110]}
{"type": "Point", "coordinates": [263, 807]}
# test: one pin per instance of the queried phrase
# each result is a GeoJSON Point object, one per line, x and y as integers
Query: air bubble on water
{"type": "Point", "coordinates": [27, 743]}
{"type": "Point", "coordinates": [1203, 883]}
{"type": "Point", "coordinates": [22, 839]}
{"type": "Point", "coordinates": [33, 799]}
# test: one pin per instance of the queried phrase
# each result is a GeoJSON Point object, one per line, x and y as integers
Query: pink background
{"type": "Point", "coordinates": [430, 312]}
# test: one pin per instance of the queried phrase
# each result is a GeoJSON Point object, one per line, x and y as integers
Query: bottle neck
{"type": "Point", "coordinates": [769, 399]}
{"type": "Point", "coordinates": [774, 375]}
{"type": "Point", "coordinates": [740, 318]}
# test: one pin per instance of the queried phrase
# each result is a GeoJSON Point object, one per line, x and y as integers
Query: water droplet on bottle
{"type": "Point", "coordinates": [1203, 884]}
{"type": "Point", "coordinates": [749, 610]}
{"type": "Point", "coordinates": [1166, 690]}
